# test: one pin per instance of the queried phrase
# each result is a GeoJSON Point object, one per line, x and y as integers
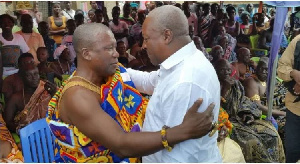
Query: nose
{"type": "Point", "coordinates": [115, 54]}
{"type": "Point", "coordinates": [144, 46]}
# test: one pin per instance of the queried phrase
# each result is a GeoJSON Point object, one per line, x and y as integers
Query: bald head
{"type": "Point", "coordinates": [216, 53]}
{"type": "Point", "coordinates": [87, 34]}
{"type": "Point", "coordinates": [244, 55]}
{"type": "Point", "coordinates": [169, 17]}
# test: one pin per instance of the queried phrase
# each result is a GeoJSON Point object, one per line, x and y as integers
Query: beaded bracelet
{"type": "Point", "coordinates": [163, 133]}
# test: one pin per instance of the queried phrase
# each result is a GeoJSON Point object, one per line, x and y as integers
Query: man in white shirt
{"type": "Point", "coordinates": [184, 75]}
{"type": "Point", "coordinates": [68, 12]}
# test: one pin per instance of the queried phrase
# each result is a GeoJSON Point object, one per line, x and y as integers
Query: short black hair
{"type": "Point", "coordinates": [42, 23]}
{"type": "Point", "coordinates": [23, 56]}
{"type": "Point", "coordinates": [78, 16]}
{"type": "Point", "coordinates": [40, 49]}
{"type": "Point", "coordinates": [116, 8]}
{"type": "Point", "coordinates": [6, 16]}
{"type": "Point", "coordinates": [229, 8]}
{"type": "Point", "coordinates": [120, 41]}
{"type": "Point", "coordinates": [206, 5]}
{"type": "Point", "coordinates": [70, 21]}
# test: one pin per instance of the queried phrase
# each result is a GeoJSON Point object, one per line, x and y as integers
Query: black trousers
{"type": "Point", "coordinates": [292, 137]}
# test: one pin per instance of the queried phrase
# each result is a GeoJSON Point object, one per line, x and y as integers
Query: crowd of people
{"type": "Point", "coordinates": [144, 71]}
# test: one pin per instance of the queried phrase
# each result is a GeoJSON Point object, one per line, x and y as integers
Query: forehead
{"type": "Point", "coordinates": [32, 70]}
{"type": "Point", "coordinates": [146, 26]}
{"type": "Point", "coordinates": [56, 5]}
{"type": "Point", "coordinates": [104, 38]}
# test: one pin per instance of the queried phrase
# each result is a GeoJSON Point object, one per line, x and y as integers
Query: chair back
{"type": "Point", "coordinates": [254, 41]}
{"type": "Point", "coordinates": [37, 142]}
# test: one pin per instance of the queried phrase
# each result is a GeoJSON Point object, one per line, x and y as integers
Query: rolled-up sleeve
{"type": "Point", "coordinates": [145, 82]}
{"type": "Point", "coordinates": [286, 62]}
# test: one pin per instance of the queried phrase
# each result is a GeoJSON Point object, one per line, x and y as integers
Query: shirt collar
{"type": "Point", "coordinates": [180, 55]}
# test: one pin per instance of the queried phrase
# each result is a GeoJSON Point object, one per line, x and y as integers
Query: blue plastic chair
{"type": "Point", "coordinates": [37, 142]}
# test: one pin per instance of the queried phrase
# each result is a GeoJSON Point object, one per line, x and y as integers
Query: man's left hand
{"type": "Point", "coordinates": [50, 88]}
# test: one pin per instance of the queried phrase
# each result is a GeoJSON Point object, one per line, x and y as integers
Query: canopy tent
{"type": "Point", "coordinates": [280, 18]}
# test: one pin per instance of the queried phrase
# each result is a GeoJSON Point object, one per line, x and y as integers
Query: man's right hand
{"type": "Point", "coordinates": [198, 124]}
{"type": "Point", "coordinates": [295, 74]}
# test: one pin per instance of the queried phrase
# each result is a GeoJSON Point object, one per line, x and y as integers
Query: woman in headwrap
{"type": "Point", "coordinates": [63, 61]}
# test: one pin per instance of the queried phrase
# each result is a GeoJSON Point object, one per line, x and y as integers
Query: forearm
{"type": "Point", "coordinates": [265, 109]}
{"type": "Point", "coordinates": [151, 141]}
{"type": "Point", "coordinates": [58, 32]}
{"type": "Point", "coordinates": [144, 81]}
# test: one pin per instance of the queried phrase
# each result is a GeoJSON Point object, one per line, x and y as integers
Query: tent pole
{"type": "Point", "coordinates": [272, 87]}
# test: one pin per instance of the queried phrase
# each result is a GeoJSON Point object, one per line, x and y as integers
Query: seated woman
{"type": "Point", "coordinates": [227, 42]}
{"type": "Point", "coordinates": [30, 104]}
{"type": "Point", "coordinates": [258, 139]}
{"type": "Point", "coordinates": [9, 152]}
{"type": "Point", "coordinates": [63, 61]}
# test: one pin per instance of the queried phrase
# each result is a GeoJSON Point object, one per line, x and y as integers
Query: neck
{"type": "Point", "coordinates": [26, 31]}
{"type": "Point", "coordinates": [116, 20]}
{"type": "Point", "coordinates": [29, 90]}
{"type": "Point", "coordinates": [63, 61]}
{"type": "Point", "coordinates": [7, 35]}
{"type": "Point", "coordinates": [56, 14]}
{"type": "Point", "coordinates": [176, 44]}
{"type": "Point", "coordinates": [43, 63]}
{"type": "Point", "coordinates": [260, 79]}
{"type": "Point", "coordinates": [90, 75]}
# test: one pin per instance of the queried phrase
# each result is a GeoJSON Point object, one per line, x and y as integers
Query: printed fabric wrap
{"type": "Point", "coordinates": [120, 100]}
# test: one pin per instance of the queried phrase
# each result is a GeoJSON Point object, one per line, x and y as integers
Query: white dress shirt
{"type": "Point", "coordinates": [183, 78]}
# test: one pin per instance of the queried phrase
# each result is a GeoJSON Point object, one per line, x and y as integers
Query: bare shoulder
{"type": "Point", "coordinates": [250, 82]}
{"type": "Point", "coordinates": [78, 102]}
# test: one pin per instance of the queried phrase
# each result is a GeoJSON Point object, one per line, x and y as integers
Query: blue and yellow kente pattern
{"type": "Point", "coordinates": [120, 100]}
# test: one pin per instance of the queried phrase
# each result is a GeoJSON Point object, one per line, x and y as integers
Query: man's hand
{"type": "Point", "coordinates": [223, 132]}
{"type": "Point", "coordinates": [248, 119]}
{"type": "Point", "coordinates": [296, 89]}
{"type": "Point", "coordinates": [198, 124]}
{"type": "Point", "coordinates": [50, 88]}
{"type": "Point", "coordinates": [295, 74]}
{"type": "Point", "coordinates": [5, 149]}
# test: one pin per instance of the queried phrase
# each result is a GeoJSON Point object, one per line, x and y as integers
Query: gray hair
{"type": "Point", "coordinates": [169, 17]}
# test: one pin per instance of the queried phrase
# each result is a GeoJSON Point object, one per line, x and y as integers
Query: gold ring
{"type": "Point", "coordinates": [214, 128]}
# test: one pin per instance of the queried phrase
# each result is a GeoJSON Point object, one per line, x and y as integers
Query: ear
{"type": "Point", "coordinates": [168, 36]}
{"type": "Point", "coordinates": [86, 54]}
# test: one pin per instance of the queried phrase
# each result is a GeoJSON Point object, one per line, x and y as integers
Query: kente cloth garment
{"type": "Point", "coordinates": [35, 109]}
{"type": "Point", "coordinates": [249, 72]}
{"type": "Point", "coordinates": [15, 156]}
{"type": "Point", "coordinates": [120, 100]}
{"type": "Point", "coordinates": [259, 141]}
{"type": "Point", "coordinates": [278, 104]}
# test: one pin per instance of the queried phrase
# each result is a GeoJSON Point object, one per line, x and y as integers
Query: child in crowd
{"type": "Point", "coordinates": [49, 43]}
{"type": "Point", "coordinates": [46, 73]}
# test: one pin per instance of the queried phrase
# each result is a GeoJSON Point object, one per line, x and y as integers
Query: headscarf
{"type": "Point", "coordinates": [58, 51]}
